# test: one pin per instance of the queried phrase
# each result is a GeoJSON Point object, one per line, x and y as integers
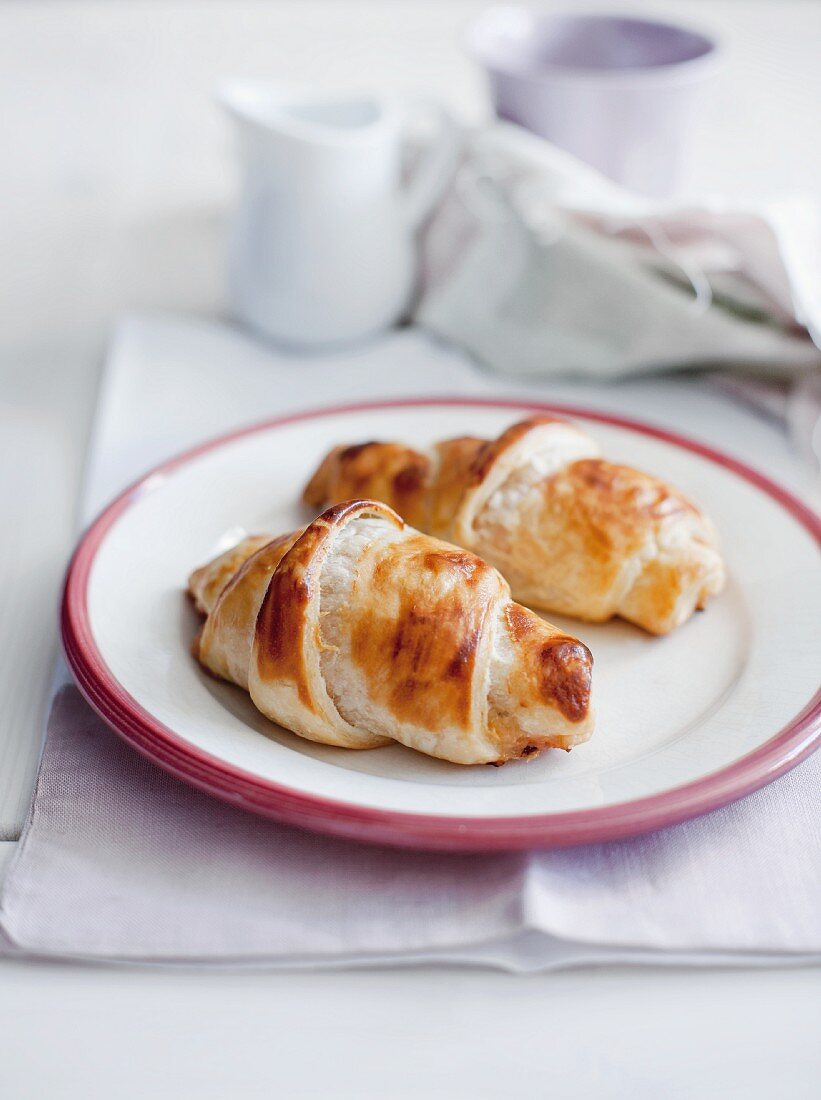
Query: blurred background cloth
{"type": "Point", "coordinates": [540, 266]}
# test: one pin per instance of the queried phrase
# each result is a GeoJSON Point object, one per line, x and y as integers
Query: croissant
{"type": "Point", "coordinates": [359, 630]}
{"type": "Point", "coordinates": [571, 533]}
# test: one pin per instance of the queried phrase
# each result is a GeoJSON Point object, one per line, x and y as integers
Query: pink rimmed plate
{"type": "Point", "coordinates": [686, 723]}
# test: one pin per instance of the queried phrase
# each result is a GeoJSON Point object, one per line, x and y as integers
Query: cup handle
{"type": "Point", "coordinates": [436, 166]}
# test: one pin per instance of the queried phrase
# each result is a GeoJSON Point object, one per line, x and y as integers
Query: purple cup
{"type": "Point", "coordinates": [615, 91]}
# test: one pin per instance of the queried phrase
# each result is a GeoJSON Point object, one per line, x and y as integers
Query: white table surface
{"type": "Point", "coordinates": [112, 198]}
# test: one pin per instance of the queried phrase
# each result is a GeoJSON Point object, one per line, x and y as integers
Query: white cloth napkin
{"type": "Point", "coordinates": [542, 267]}
{"type": "Point", "coordinates": [120, 861]}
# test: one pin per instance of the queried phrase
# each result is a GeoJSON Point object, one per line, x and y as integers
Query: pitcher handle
{"type": "Point", "coordinates": [437, 164]}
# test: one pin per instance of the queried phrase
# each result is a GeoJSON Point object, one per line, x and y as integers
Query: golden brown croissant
{"type": "Point", "coordinates": [571, 533]}
{"type": "Point", "coordinates": [360, 630]}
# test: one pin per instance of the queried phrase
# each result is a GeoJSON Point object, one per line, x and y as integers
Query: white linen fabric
{"type": "Point", "coordinates": [540, 266]}
{"type": "Point", "coordinates": [120, 861]}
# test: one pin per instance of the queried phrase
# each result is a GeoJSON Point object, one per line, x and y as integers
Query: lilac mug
{"type": "Point", "coordinates": [616, 91]}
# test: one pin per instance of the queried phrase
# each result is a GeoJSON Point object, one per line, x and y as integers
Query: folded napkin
{"type": "Point", "coordinates": [121, 861]}
{"type": "Point", "coordinates": [540, 266]}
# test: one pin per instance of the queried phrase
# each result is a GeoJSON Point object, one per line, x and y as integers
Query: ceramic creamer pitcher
{"type": "Point", "coordinates": [323, 248]}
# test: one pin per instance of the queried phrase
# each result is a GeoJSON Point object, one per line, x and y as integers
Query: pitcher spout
{"type": "Point", "coordinates": [266, 108]}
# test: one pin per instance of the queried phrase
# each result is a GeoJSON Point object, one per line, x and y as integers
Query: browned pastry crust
{"type": "Point", "coordinates": [361, 630]}
{"type": "Point", "coordinates": [571, 532]}
{"type": "Point", "coordinates": [206, 584]}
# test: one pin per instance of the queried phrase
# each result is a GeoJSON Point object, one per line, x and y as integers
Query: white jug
{"type": "Point", "coordinates": [323, 248]}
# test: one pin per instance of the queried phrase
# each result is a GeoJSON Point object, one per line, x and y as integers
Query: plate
{"type": "Point", "coordinates": [685, 723]}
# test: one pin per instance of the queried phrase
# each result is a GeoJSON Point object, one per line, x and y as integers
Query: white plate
{"type": "Point", "coordinates": [685, 723]}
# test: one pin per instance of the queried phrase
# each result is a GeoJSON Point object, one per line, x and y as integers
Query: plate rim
{"type": "Point", "coordinates": [159, 743]}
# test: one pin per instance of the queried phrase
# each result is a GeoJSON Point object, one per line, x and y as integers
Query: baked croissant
{"type": "Point", "coordinates": [360, 630]}
{"type": "Point", "coordinates": [571, 533]}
